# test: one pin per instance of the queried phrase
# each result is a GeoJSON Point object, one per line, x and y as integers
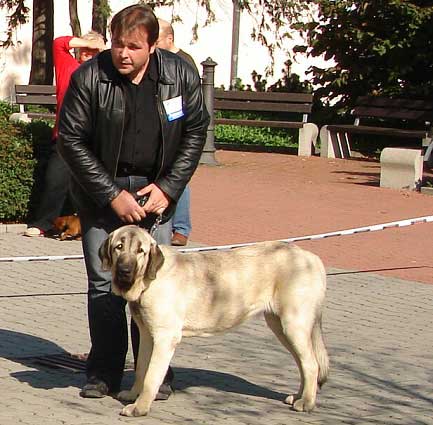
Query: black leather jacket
{"type": "Point", "coordinates": [91, 125]}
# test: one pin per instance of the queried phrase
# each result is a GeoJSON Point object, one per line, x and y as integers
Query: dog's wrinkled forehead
{"type": "Point", "coordinates": [131, 238]}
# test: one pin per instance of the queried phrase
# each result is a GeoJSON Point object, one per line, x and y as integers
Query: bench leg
{"type": "Point", "coordinates": [307, 139]}
{"type": "Point", "coordinates": [334, 144]}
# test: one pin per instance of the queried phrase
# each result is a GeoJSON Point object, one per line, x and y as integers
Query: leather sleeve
{"type": "Point", "coordinates": [75, 138]}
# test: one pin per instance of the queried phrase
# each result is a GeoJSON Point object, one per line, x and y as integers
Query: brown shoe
{"type": "Point", "coordinates": [178, 239]}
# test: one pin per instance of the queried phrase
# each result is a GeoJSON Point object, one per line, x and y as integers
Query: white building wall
{"type": "Point", "coordinates": [214, 41]}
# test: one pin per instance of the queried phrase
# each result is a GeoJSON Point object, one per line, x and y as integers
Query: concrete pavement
{"type": "Point", "coordinates": [378, 330]}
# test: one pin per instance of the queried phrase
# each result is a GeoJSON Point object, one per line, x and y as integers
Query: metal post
{"type": "Point", "coordinates": [235, 44]}
{"type": "Point", "coordinates": [208, 154]}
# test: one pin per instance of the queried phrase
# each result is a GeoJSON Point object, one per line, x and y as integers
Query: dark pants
{"type": "Point", "coordinates": [56, 186]}
{"type": "Point", "coordinates": [106, 312]}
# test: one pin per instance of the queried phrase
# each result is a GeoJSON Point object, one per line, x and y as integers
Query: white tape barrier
{"type": "Point", "coordinates": [373, 228]}
{"type": "Point", "coordinates": [42, 258]}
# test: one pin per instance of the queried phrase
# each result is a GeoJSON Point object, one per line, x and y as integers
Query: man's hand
{"type": "Point", "coordinates": [127, 208]}
{"type": "Point", "coordinates": [158, 201]}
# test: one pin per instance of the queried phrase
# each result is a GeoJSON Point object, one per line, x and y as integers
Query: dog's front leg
{"type": "Point", "coordinates": [144, 352]}
{"type": "Point", "coordinates": [162, 353]}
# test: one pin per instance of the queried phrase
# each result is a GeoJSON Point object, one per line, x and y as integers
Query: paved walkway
{"type": "Point", "coordinates": [378, 328]}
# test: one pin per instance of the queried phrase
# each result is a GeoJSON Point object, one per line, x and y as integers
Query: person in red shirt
{"type": "Point", "coordinates": [57, 176]}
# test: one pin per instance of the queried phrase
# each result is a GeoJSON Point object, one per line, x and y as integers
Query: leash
{"type": "Point", "coordinates": [372, 228]}
{"type": "Point", "coordinates": [155, 225]}
{"type": "Point", "coordinates": [141, 200]}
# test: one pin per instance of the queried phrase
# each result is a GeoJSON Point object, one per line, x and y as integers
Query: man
{"type": "Point", "coordinates": [57, 176]}
{"type": "Point", "coordinates": [133, 123]}
{"type": "Point", "coordinates": [166, 41]}
{"type": "Point", "coordinates": [181, 222]}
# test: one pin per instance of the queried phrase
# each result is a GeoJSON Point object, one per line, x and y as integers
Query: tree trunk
{"type": "Point", "coordinates": [41, 71]}
{"type": "Point", "coordinates": [100, 12]}
{"type": "Point", "coordinates": [73, 16]}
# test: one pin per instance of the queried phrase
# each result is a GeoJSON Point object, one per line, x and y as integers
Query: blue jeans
{"type": "Point", "coordinates": [182, 216]}
{"type": "Point", "coordinates": [106, 312]}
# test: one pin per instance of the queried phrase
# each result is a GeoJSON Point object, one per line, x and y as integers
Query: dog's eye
{"type": "Point", "coordinates": [119, 246]}
{"type": "Point", "coordinates": [140, 250]}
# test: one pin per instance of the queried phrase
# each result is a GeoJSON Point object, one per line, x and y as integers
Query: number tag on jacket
{"type": "Point", "coordinates": [173, 108]}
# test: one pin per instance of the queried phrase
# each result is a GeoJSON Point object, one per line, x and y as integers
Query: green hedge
{"type": "Point", "coordinates": [23, 153]}
{"type": "Point", "coordinates": [261, 136]}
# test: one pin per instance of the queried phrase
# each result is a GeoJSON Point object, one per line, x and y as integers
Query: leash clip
{"type": "Point", "coordinates": [155, 225]}
{"type": "Point", "coordinates": [141, 200]}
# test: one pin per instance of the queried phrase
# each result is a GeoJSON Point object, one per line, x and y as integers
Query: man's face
{"type": "Point", "coordinates": [130, 53]}
{"type": "Point", "coordinates": [85, 54]}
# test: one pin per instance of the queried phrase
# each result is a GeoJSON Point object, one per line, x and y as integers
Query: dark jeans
{"type": "Point", "coordinates": [56, 186]}
{"type": "Point", "coordinates": [106, 312]}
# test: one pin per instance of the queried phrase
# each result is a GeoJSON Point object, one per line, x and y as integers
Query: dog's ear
{"type": "Point", "coordinates": [156, 260]}
{"type": "Point", "coordinates": [105, 255]}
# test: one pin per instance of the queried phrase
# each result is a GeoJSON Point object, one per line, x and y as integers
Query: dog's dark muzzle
{"type": "Point", "coordinates": [125, 272]}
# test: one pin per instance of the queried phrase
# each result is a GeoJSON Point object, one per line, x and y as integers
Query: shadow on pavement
{"type": "Point", "coordinates": [190, 377]}
{"type": "Point", "coordinates": [25, 349]}
{"type": "Point", "coordinates": [15, 345]}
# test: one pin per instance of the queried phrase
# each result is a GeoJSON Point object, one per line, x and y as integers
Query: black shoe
{"type": "Point", "coordinates": [95, 388]}
{"type": "Point", "coordinates": [166, 388]}
{"type": "Point", "coordinates": [164, 392]}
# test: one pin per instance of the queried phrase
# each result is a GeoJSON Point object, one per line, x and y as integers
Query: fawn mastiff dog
{"type": "Point", "coordinates": [173, 294]}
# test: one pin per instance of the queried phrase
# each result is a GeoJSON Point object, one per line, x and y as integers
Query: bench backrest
{"type": "Point", "coordinates": [35, 94]}
{"type": "Point", "coordinates": [387, 108]}
{"type": "Point", "coordinates": [263, 101]}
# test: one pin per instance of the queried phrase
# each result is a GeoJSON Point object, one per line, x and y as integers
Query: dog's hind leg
{"type": "Point", "coordinates": [296, 337]}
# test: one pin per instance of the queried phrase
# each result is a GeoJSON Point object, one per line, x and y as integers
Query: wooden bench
{"type": "Point", "coordinates": [298, 105]}
{"type": "Point", "coordinates": [413, 117]}
{"type": "Point", "coordinates": [25, 95]}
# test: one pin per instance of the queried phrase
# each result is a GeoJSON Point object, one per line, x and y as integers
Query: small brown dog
{"type": "Point", "coordinates": [68, 226]}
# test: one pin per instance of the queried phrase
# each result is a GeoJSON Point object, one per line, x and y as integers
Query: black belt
{"type": "Point", "coordinates": [125, 170]}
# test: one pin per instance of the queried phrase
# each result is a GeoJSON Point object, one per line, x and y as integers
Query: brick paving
{"type": "Point", "coordinates": [378, 329]}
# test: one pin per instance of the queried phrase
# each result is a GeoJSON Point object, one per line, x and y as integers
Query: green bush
{"type": "Point", "coordinates": [262, 136]}
{"type": "Point", "coordinates": [16, 173]}
{"type": "Point", "coordinates": [255, 136]}
{"type": "Point", "coordinates": [6, 110]}
{"type": "Point", "coordinates": [23, 151]}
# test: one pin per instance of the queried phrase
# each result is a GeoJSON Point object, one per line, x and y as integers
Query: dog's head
{"type": "Point", "coordinates": [134, 259]}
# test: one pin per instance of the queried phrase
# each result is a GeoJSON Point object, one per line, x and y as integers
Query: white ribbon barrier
{"type": "Point", "coordinates": [372, 228]}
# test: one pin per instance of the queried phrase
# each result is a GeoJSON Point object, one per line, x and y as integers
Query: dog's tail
{"type": "Point", "coordinates": [320, 352]}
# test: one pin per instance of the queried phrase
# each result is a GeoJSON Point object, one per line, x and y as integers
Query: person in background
{"type": "Point", "coordinates": [57, 176]}
{"type": "Point", "coordinates": [181, 221]}
{"type": "Point", "coordinates": [133, 123]}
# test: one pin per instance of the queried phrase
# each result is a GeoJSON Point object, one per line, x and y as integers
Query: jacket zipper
{"type": "Point", "coordinates": [121, 133]}
{"type": "Point", "coordinates": [160, 113]}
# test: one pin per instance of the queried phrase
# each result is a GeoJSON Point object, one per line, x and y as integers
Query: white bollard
{"type": "Point", "coordinates": [307, 139]}
{"type": "Point", "coordinates": [401, 168]}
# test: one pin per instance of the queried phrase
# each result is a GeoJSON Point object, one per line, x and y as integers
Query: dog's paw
{"type": "Point", "coordinates": [132, 410]}
{"type": "Point", "coordinates": [290, 399]}
{"type": "Point", "coordinates": [127, 395]}
{"type": "Point", "coordinates": [298, 404]}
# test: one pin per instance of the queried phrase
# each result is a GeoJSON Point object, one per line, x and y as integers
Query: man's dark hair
{"type": "Point", "coordinates": [136, 16]}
